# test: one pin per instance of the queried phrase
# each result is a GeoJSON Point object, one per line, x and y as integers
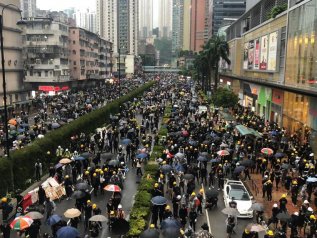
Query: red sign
{"type": "Point", "coordinates": [52, 88]}
{"type": "Point", "coordinates": [277, 96]}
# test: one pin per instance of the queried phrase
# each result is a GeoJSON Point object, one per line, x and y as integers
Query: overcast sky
{"type": "Point", "coordinates": [63, 4]}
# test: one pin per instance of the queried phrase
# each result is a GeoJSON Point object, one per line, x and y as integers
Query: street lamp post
{"type": "Point", "coordinates": [119, 73]}
{"type": "Point", "coordinates": [4, 85]}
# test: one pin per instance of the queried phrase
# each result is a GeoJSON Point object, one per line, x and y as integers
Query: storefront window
{"type": "Point", "coordinates": [301, 62]}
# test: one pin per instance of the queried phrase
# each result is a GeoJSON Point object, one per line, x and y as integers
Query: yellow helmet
{"type": "Point", "coordinates": [101, 172]}
{"type": "Point", "coordinates": [48, 152]}
{"type": "Point", "coordinates": [193, 194]}
{"type": "Point", "coordinates": [294, 182]}
{"type": "Point", "coordinates": [112, 213]}
{"type": "Point", "coordinates": [155, 185]}
{"type": "Point", "coordinates": [270, 233]}
{"type": "Point", "coordinates": [94, 206]}
{"type": "Point", "coordinates": [86, 172]}
{"type": "Point", "coordinates": [66, 177]}
{"type": "Point", "coordinates": [106, 169]}
{"type": "Point", "coordinates": [246, 231]}
{"type": "Point", "coordinates": [94, 175]}
{"type": "Point", "coordinates": [312, 217]}
{"type": "Point", "coordinates": [220, 165]}
{"type": "Point", "coordinates": [161, 176]}
{"type": "Point", "coordinates": [164, 162]}
{"type": "Point", "coordinates": [88, 201]}
{"type": "Point", "coordinates": [181, 231]}
{"type": "Point", "coordinates": [167, 207]}
{"type": "Point", "coordinates": [4, 199]}
{"type": "Point", "coordinates": [174, 183]}
{"type": "Point", "coordinates": [114, 172]}
{"type": "Point", "coordinates": [152, 226]}
{"type": "Point", "coordinates": [283, 195]}
{"type": "Point", "coordinates": [201, 190]}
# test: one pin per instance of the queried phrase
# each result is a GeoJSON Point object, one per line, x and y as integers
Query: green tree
{"type": "Point", "coordinates": [214, 50]}
{"type": "Point", "coordinates": [224, 97]}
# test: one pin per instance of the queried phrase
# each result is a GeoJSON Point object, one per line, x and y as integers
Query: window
{"type": "Point", "coordinates": [46, 73]}
{"type": "Point", "coordinates": [39, 73]}
{"type": "Point", "coordinates": [74, 62]}
{"type": "Point", "coordinates": [74, 52]}
{"type": "Point", "coordinates": [74, 42]}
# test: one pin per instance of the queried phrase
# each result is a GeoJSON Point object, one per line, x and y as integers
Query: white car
{"type": "Point", "coordinates": [235, 189]}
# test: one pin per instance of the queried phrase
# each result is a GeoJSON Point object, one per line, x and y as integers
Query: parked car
{"type": "Point", "coordinates": [235, 190]}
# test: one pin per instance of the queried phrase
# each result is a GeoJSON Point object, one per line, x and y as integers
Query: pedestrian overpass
{"type": "Point", "coordinates": [159, 69]}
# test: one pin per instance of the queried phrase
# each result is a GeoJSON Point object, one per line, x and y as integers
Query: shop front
{"type": "Point", "coordinates": [277, 106]}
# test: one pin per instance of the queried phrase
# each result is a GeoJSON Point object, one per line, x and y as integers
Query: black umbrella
{"type": "Point", "coordinates": [170, 223]}
{"type": "Point", "coordinates": [113, 162]}
{"type": "Point", "coordinates": [247, 163]}
{"type": "Point", "coordinates": [78, 194]}
{"type": "Point", "coordinates": [121, 226]}
{"type": "Point", "coordinates": [238, 170]}
{"type": "Point", "coordinates": [82, 186]}
{"type": "Point", "coordinates": [211, 193]}
{"type": "Point", "coordinates": [86, 155]}
{"type": "Point", "coordinates": [159, 200]}
{"type": "Point", "coordinates": [204, 154]}
{"type": "Point", "coordinates": [202, 159]}
{"type": "Point", "coordinates": [188, 176]}
{"type": "Point", "coordinates": [166, 168]}
{"type": "Point", "coordinates": [286, 166]}
{"type": "Point", "coordinates": [279, 155]}
{"type": "Point", "coordinates": [283, 216]}
{"type": "Point", "coordinates": [150, 233]}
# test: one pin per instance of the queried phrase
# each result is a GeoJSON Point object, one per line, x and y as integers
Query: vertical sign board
{"type": "Point", "coordinates": [256, 54]}
{"type": "Point", "coordinates": [272, 51]}
{"type": "Point", "coordinates": [264, 51]}
{"type": "Point", "coordinates": [251, 54]}
{"type": "Point", "coordinates": [245, 56]}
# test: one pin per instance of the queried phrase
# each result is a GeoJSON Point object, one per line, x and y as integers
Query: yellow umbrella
{"type": "Point", "coordinates": [65, 161]}
{"type": "Point", "coordinates": [72, 212]}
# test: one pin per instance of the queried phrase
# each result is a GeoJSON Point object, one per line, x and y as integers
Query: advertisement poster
{"type": "Point", "coordinates": [264, 50]}
{"type": "Point", "coordinates": [251, 54]}
{"type": "Point", "coordinates": [272, 51]}
{"type": "Point", "coordinates": [245, 56]}
{"type": "Point", "coordinates": [256, 54]}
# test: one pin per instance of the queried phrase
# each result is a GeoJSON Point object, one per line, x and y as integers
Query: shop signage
{"type": "Point", "coordinates": [272, 51]}
{"type": "Point", "coordinates": [52, 88]}
{"type": "Point", "coordinates": [264, 50]}
{"type": "Point", "coordinates": [250, 54]}
{"type": "Point", "coordinates": [245, 56]}
{"type": "Point", "coordinates": [257, 54]}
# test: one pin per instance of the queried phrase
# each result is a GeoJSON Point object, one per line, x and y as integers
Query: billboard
{"type": "Point", "coordinates": [256, 54]}
{"type": "Point", "coordinates": [245, 55]}
{"type": "Point", "coordinates": [264, 51]}
{"type": "Point", "coordinates": [251, 54]}
{"type": "Point", "coordinates": [272, 51]}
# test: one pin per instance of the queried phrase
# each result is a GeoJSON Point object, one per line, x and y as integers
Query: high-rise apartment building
{"type": "Point", "coordinates": [118, 22]}
{"type": "Point", "coordinates": [178, 26]}
{"type": "Point", "coordinates": [186, 24]}
{"type": "Point", "coordinates": [165, 18]}
{"type": "Point", "coordinates": [28, 8]}
{"type": "Point", "coordinates": [145, 18]}
{"type": "Point", "coordinates": [222, 11]}
{"type": "Point", "coordinates": [199, 24]}
{"type": "Point", "coordinates": [85, 19]}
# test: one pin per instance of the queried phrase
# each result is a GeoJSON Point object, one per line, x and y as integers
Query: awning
{"type": "Point", "coordinates": [243, 130]}
{"type": "Point", "coordinates": [23, 102]}
{"type": "Point", "coordinates": [227, 116]}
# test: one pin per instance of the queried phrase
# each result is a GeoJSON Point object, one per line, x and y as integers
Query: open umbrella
{"type": "Point", "coordinates": [257, 207]}
{"type": "Point", "coordinates": [203, 234]}
{"type": "Point", "coordinates": [211, 193]}
{"type": "Point", "coordinates": [170, 223]}
{"type": "Point", "coordinates": [238, 169]}
{"type": "Point", "coordinates": [98, 218]}
{"type": "Point", "coordinates": [126, 141]}
{"type": "Point", "coordinates": [57, 166]}
{"type": "Point", "coordinates": [113, 162]}
{"type": "Point", "coordinates": [286, 166]}
{"type": "Point", "coordinates": [283, 216]}
{"type": "Point", "coordinates": [150, 233]}
{"type": "Point", "coordinates": [12, 122]}
{"type": "Point", "coordinates": [223, 145]}
{"type": "Point", "coordinates": [246, 163]}
{"type": "Point", "coordinates": [215, 160]}
{"type": "Point", "coordinates": [166, 168]}
{"type": "Point", "coordinates": [141, 156]}
{"type": "Point", "coordinates": [72, 212]}
{"type": "Point", "coordinates": [205, 154]}
{"type": "Point", "coordinates": [78, 194]}
{"type": "Point", "coordinates": [52, 220]}
{"type": "Point", "coordinates": [159, 200]}
{"type": "Point", "coordinates": [82, 186]}
{"type": "Point", "coordinates": [55, 125]}
{"type": "Point", "coordinates": [202, 159]}
{"type": "Point", "coordinates": [188, 176]}
{"type": "Point", "coordinates": [34, 215]}
{"type": "Point", "coordinates": [79, 158]}
{"type": "Point", "coordinates": [86, 155]}
{"type": "Point", "coordinates": [255, 227]}
{"type": "Point", "coordinates": [230, 211]}
{"type": "Point", "coordinates": [112, 188]}
{"type": "Point", "coordinates": [279, 155]}
{"type": "Point", "coordinates": [223, 152]}
{"type": "Point", "coordinates": [311, 180]}
{"type": "Point", "coordinates": [67, 232]}
{"type": "Point", "coordinates": [21, 223]}
{"type": "Point", "coordinates": [65, 161]}
{"type": "Point", "coordinates": [267, 151]}
{"type": "Point", "coordinates": [180, 155]}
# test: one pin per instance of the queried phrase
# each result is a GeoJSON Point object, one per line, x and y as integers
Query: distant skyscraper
{"type": "Point", "coordinates": [186, 24]}
{"type": "Point", "coordinates": [70, 12]}
{"type": "Point", "coordinates": [165, 17]}
{"type": "Point", "coordinates": [145, 18]}
{"type": "Point", "coordinates": [177, 26]}
{"type": "Point", "coordinates": [222, 11]}
{"type": "Point", "coordinates": [118, 22]}
{"type": "Point", "coordinates": [86, 20]}
{"type": "Point", "coordinates": [28, 8]}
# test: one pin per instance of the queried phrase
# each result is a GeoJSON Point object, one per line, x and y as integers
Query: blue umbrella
{"type": "Point", "coordinates": [214, 160]}
{"type": "Point", "coordinates": [67, 232]}
{"type": "Point", "coordinates": [193, 143]}
{"type": "Point", "coordinates": [86, 155]}
{"type": "Point", "coordinates": [311, 180]}
{"type": "Point", "coordinates": [202, 159]}
{"type": "Point", "coordinates": [279, 155]}
{"type": "Point", "coordinates": [79, 158]}
{"type": "Point", "coordinates": [159, 200]}
{"type": "Point", "coordinates": [166, 168]}
{"type": "Point", "coordinates": [25, 125]}
{"type": "Point", "coordinates": [238, 170]}
{"type": "Point", "coordinates": [180, 168]}
{"type": "Point", "coordinates": [141, 156]}
{"type": "Point", "coordinates": [126, 141]}
{"type": "Point", "coordinates": [55, 125]}
{"type": "Point", "coordinates": [57, 166]}
{"type": "Point", "coordinates": [20, 130]}
{"type": "Point", "coordinates": [52, 220]}
{"type": "Point", "coordinates": [170, 223]}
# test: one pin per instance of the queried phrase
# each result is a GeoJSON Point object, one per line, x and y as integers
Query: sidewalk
{"type": "Point", "coordinates": [255, 186]}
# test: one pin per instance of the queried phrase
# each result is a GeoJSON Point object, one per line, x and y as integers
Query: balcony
{"type": "Point", "coordinates": [50, 79]}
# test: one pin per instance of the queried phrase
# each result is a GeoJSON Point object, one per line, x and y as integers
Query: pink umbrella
{"type": "Point", "coordinates": [267, 151]}
{"type": "Point", "coordinates": [223, 152]}
{"type": "Point", "coordinates": [112, 188]}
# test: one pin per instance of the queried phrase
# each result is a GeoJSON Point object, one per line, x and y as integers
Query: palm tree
{"type": "Point", "coordinates": [216, 49]}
